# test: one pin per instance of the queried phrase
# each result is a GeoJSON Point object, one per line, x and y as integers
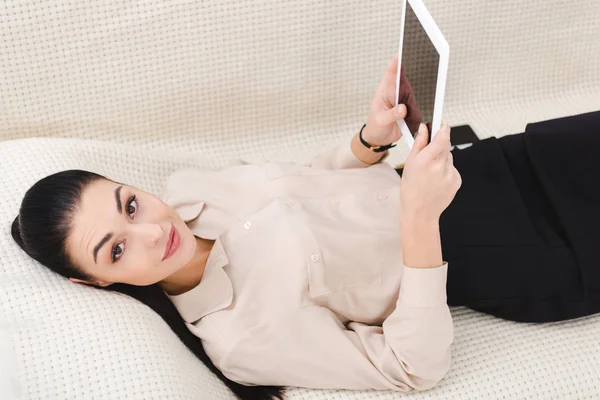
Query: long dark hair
{"type": "Point", "coordinates": [41, 229]}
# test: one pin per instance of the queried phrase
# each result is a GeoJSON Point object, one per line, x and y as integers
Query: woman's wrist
{"type": "Point", "coordinates": [370, 136]}
{"type": "Point", "coordinates": [414, 218]}
{"type": "Point", "coordinates": [421, 243]}
{"type": "Point", "coordinates": [363, 153]}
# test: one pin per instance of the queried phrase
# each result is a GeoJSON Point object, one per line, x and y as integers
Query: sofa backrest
{"type": "Point", "coordinates": [178, 75]}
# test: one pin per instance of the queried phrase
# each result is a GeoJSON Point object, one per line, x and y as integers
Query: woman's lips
{"type": "Point", "coordinates": [172, 243]}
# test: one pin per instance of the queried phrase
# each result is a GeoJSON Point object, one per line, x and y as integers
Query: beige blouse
{"type": "Point", "coordinates": [305, 284]}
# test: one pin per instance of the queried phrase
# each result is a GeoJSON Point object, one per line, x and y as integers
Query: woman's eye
{"type": "Point", "coordinates": [117, 251]}
{"type": "Point", "coordinates": [132, 206]}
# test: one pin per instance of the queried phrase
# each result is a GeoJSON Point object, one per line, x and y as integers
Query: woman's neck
{"type": "Point", "coordinates": [191, 274]}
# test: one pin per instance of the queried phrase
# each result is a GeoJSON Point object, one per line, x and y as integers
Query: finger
{"type": "Point", "coordinates": [440, 143]}
{"type": "Point", "coordinates": [392, 66]}
{"type": "Point", "coordinates": [420, 141]}
{"type": "Point", "coordinates": [437, 148]}
{"type": "Point", "coordinates": [443, 132]}
{"type": "Point", "coordinates": [389, 75]}
{"type": "Point", "coordinates": [395, 113]}
{"type": "Point", "coordinates": [448, 140]}
{"type": "Point", "coordinates": [458, 177]}
{"type": "Point", "coordinates": [449, 162]}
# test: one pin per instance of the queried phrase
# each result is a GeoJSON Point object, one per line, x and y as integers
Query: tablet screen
{"type": "Point", "coordinates": [419, 71]}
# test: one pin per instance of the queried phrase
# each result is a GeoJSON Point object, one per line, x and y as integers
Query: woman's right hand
{"type": "Point", "coordinates": [429, 180]}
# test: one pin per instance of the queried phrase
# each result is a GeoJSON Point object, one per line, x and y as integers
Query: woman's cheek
{"type": "Point", "coordinates": [142, 264]}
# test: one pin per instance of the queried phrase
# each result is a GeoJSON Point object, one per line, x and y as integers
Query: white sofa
{"type": "Point", "coordinates": [136, 89]}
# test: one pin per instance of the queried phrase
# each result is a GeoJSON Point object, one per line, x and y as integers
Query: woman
{"type": "Point", "coordinates": [326, 275]}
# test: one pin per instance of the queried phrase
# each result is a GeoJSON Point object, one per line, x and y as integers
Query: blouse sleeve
{"type": "Point", "coordinates": [313, 349]}
{"type": "Point", "coordinates": [338, 158]}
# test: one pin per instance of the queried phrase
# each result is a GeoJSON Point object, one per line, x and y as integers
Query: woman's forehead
{"type": "Point", "coordinates": [97, 193]}
{"type": "Point", "coordinates": [93, 217]}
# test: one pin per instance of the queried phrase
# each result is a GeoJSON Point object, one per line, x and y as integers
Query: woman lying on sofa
{"type": "Point", "coordinates": [339, 273]}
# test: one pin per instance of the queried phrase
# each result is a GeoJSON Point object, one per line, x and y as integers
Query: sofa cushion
{"type": "Point", "coordinates": [74, 341]}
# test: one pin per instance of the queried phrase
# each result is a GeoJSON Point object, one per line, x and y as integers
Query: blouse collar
{"type": "Point", "coordinates": [215, 290]}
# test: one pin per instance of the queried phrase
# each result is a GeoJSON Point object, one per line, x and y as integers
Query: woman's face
{"type": "Point", "coordinates": [123, 234]}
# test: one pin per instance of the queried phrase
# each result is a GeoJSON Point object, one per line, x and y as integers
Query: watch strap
{"type": "Point", "coordinates": [375, 149]}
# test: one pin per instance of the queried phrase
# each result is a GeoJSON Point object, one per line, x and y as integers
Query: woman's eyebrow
{"type": "Point", "coordinates": [118, 198]}
{"type": "Point", "coordinates": [109, 235]}
{"type": "Point", "coordinates": [105, 239]}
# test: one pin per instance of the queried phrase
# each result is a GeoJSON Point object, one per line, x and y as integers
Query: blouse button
{"type": "Point", "coordinates": [247, 224]}
{"type": "Point", "coordinates": [290, 203]}
{"type": "Point", "coordinates": [335, 202]}
{"type": "Point", "coordinates": [382, 197]}
{"type": "Point", "coordinates": [315, 257]}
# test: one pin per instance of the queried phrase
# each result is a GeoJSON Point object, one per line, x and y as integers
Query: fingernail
{"type": "Point", "coordinates": [421, 125]}
{"type": "Point", "coordinates": [401, 107]}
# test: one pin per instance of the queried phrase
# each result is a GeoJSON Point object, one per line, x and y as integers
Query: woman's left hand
{"type": "Point", "coordinates": [382, 128]}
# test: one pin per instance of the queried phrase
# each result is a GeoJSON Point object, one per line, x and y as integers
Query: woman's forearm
{"type": "Point", "coordinates": [421, 243]}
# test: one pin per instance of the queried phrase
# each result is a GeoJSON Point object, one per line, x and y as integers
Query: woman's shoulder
{"type": "Point", "coordinates": [195, 182]}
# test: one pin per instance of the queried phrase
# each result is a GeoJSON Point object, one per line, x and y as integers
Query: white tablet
{"type": "Point", "coordinates": [422, 69]}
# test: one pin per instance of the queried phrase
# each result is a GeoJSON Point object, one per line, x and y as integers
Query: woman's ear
{"type": "Point", "coordinates": [90, 283]}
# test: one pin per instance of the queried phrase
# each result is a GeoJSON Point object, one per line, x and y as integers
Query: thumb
{"type": "Point", "coordinates": [395, 113]}
{"type": "Point", "coordinates": [420, 140]}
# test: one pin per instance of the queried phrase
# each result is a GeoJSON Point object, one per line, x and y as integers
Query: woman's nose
{"type": "Point", "coordinates": [152, 233]}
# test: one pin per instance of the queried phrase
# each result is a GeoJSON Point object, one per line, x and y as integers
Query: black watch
{"type": "Point", "coordinates": [375, 149]}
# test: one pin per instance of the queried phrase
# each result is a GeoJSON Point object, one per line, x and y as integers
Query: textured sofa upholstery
{"type": "Point", "coordinates": [135, 90]}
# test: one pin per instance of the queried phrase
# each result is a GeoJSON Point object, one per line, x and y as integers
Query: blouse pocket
{"type": "Point", "coordinates": [339, 260]}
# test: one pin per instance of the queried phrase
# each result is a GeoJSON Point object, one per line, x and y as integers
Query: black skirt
{"type": "Point", "coordinates": [522, 235]}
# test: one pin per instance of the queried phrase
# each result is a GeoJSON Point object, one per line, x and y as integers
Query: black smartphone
{"type": "Point", "coordinates": [459, 135]}
{"type": "Point", "coordinates": [462, 134]}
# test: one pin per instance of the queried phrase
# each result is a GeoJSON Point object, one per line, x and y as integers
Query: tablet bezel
{"type": "Point", "coordinates": [441, 45]}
